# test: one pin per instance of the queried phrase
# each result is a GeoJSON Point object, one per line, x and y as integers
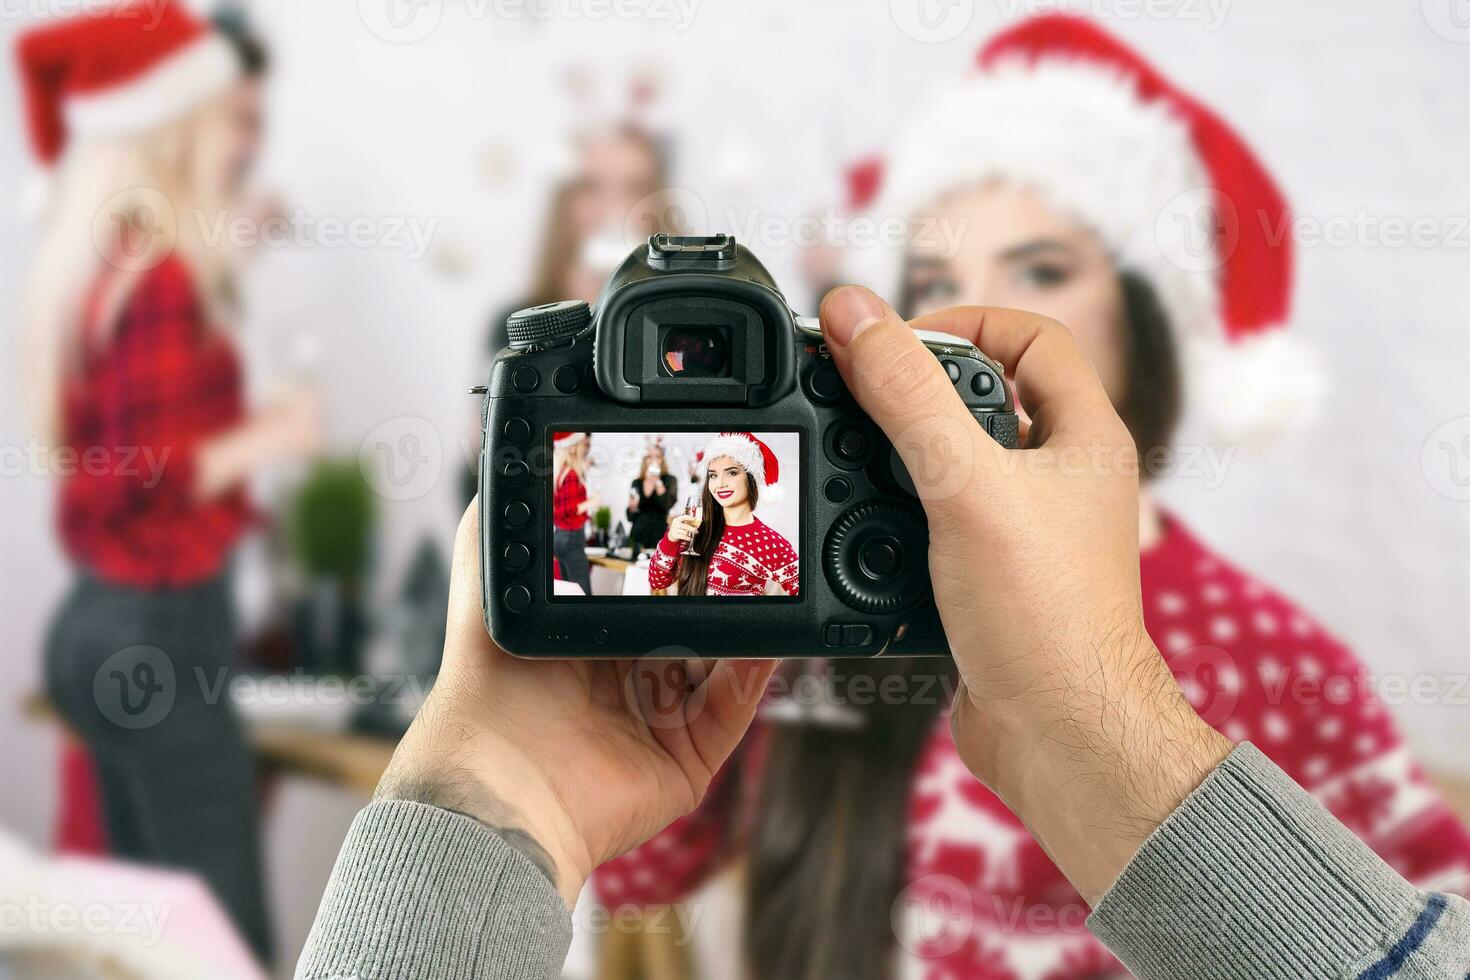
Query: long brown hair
{"type": "Point", "coordinates": [559, 246]}
{"type": "Point", "coordinates": [693, 575]}
{"type": "Point", "coordinates": [827, 848]}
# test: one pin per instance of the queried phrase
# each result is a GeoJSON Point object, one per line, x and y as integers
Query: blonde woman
{"type": "Point", "coordinates": [148, 119]}
{"type": "Point", "coordinates": [572, 502]}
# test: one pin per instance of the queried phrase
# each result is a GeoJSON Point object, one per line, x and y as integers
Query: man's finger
{"type": "Point", "coordinates": [733, 692]}
{"type": "Point", "coordinates": [1055, 383]}
{"type": "Point", "coordinates": [902, 387]}
{"type": "Point", "coordinates": [466, 636]}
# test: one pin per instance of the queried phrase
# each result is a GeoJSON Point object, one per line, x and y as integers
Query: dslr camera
{"type": "Point", "coordinates": [694, 411]}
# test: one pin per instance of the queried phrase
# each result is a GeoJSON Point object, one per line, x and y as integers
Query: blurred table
{"type": "Point", "coordinates": [348, 760]}
{"type": "Point", "coordinates": [356, 761]}
{"type": "Point", "coordinates": [633, 577]}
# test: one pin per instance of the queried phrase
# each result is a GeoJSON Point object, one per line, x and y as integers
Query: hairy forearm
{"type": "Point", "coordinates": [1095, 765]}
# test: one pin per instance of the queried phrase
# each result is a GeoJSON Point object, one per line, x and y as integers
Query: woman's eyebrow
{"type": "Point", "coordinates": [1027, 250]}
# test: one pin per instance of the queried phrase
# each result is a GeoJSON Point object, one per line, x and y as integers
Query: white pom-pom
{"type": "Point", "coordinates": [1257, 392]}
{"type": "Point", "coordinates": [774, 493]}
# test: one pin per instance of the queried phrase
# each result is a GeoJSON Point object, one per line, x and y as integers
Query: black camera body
{"type": "Point", "coordinates": [692, 335]}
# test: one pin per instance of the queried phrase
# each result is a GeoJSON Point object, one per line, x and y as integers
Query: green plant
{"type": "Point", "coordinates": [330, 522]}
{"type": "Point", "coordinates": [602, 520]}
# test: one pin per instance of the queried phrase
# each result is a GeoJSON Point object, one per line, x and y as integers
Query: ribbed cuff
{"type": "Point", "coordinates": [1251, 879]}
{"type": "Point", "coordinates": [423, 892]}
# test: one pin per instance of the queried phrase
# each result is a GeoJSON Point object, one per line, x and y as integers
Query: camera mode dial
{"type": "Point", "coordinates": [876, 558]}
{"type": "Point", "coordinates": [549, 325]}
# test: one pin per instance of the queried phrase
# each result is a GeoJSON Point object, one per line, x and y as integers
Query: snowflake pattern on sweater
{"type": "Point", "coordinates": [747, 557]}
{"type": "Point", "coordinates": [983, 902]}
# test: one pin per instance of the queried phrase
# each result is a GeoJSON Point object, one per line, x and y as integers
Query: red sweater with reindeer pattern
{"type": "Point", "coordinates": [747, 557]}
{"type": "Point", "coordinates": [983, 902]}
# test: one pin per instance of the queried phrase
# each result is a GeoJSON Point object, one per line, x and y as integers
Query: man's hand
{"type": "Point", "coordinates": [1067, 710]}
{"type": "Point", "coordinates": [572, 762]}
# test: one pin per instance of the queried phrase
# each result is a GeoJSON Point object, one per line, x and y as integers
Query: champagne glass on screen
{"type": "Point", "coordinates": [693, 508]}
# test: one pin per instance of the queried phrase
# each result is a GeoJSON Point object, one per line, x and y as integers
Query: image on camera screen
{"type": "Point", "coordinates": [652, 514]}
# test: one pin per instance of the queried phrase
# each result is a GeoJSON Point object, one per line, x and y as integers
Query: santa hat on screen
{"type": "Point", "coordinates": [124, 69]}
{"type": "Point", "coordinates": [1059, 105]}
{"type": "Point", "coordinates": [757, 458]}
{"type": "Point", "coordinates": [566, 440]}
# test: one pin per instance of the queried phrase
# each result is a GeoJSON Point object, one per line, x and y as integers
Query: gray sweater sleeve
{"type": "Point", "coordinates": [1251, 879]}
{"type": "Point", "coordinates": [420, 892]}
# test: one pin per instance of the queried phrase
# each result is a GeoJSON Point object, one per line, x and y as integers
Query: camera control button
{"type": "Point", "coordinates": [847, 634]}
{"type": "Point", "coordinates": [517, 598]}
{"type": "Point", "coordinates": [517, 513]}
{"type": "Point", "coordinates": [515, 470]}
{"type": "Point", "coordinates": [850, 445]}
{"type": "Point", "coordinates": [872, 558]}
{"type": "Point", "coordinates": [517, 429]}
{"type": "Point", "coordinates": [517, 556]}
{"type": "Point", "coordinates": [983, 384]}
{"type": "Point", "coordinates": [526, 379]}
{"type": "Point", "coordinates": [566, 379]}
{"type": "Point", "coordinates": [837, 489]}
{"type": "Point", "coordinates": [548, 325]}
{"type": "Point", "coordinates": [881, 557]}
{"type": "Point", "coordinates": [952, 369]}
{"type": "Point", "coordinates": [823, 382]}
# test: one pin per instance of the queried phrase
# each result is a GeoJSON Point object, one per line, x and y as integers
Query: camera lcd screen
{"type": "Point", "coordinates": [676, 514]}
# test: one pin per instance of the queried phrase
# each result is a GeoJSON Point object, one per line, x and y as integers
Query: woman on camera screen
{"type": "Point", "coordinates": [572, 502]}
{"type": "Point", "coordinates": [718, 546]}
{"type": "Point", "coordinates": [653, 493]}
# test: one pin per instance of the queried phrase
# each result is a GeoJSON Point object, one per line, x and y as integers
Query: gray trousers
{"type": "Point", "coordinates": [570, 548]}
{"type": "Point", "coordinates": [141, 677]}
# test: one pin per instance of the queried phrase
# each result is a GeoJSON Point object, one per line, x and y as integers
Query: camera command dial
{"type": "Point", "coordinates": [548, 325]}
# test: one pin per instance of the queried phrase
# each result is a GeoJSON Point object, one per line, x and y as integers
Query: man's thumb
{"type": "Point", "coordinates": [898, 381]}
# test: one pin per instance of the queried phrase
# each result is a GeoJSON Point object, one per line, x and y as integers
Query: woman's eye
{"type": "Point", "coordinates": [1042, 276]}
{"type": "Point", "coordinates": [931, 291]}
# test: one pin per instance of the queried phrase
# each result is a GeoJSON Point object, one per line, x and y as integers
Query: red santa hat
{"type": "Point", "coordinates": [566, 440]}
{"type": "Point", "coordinates": [753, 454]}
{"type": "Point", "coordinates": [1059, 105]}
{"type": "Point", "coordinates": [127, 68]}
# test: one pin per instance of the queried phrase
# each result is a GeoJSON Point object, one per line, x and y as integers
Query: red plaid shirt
{"type": "Point", "coordinates": [570, 494]}
{"type": "Point", "coordinates": [162, 383]}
